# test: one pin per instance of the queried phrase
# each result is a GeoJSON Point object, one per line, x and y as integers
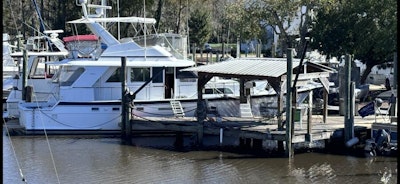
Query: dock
{"type": "Point", "coordinates": [250, 128]}
{"type": "Point", "coordinates": [227, 131]}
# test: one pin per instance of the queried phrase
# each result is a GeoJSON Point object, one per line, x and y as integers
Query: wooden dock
{"type": "Point", "coordinates": [250, 127]}
{"type": "Point", "coordinates": [239, 129]}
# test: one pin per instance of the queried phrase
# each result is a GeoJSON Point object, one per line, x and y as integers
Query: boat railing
{"type": "Point", "coordinates": [173, 43]}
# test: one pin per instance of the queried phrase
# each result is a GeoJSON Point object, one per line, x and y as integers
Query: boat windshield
{"type": "Point", "coordinates": [69, 75]}
{"type": "Point", "coordinates": [174, 43]}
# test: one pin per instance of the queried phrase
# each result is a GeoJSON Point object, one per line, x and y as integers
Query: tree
{"type": "Point", "coordinates": [365, 28]}
{"type": "Point", "coordinates": [244, 21]}
{"type": "Point", "coordinates": [200, 27]}
{"type": "Point", "coordinates": [280, 15]}
{"type": "Point", "coordinates": [158, 13]}
{"type": "Point", "coordinates": [172, 15]}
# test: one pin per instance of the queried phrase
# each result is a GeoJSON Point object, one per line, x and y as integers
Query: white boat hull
{"type": "Point", "coordinates": [61, 117]}
{"type": "Point", "coordinates": [106, 115]}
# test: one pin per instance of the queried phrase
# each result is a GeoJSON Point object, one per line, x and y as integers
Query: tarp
{"type": "Point", "coordinates": [367, 110]}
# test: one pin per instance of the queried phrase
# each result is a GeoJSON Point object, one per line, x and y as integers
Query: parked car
{"type": "Point", "coordinates": [207, 48]}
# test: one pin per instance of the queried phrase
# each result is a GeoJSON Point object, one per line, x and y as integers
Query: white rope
{"type": "Point", "coordinates": [14, 153]}
{"type": "Point", "coordinates": [47, 138]}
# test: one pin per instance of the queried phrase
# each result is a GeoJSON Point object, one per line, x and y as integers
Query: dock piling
{"type": "Point", "coordinates": [289, 146]}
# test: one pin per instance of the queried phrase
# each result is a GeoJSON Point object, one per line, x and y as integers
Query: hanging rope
{"type": "Point", "coordinates": [47, 138]}
{"type": "Point", "coordinates": [14, 154]}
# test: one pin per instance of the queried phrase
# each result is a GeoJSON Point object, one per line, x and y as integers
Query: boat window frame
{"type": "Point", "coordinates": [159, 78]}
{"type": "Point", "coordinates": [139, 74]}
{"type": "Point", "coordinates": [115, 76]}
{"type": "Point", "coordinates": [71, 74]}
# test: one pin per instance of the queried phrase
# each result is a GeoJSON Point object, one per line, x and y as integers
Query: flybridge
{"type": "Point", "coordinates": [96, 22]}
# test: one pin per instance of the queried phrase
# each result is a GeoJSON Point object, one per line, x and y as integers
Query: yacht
{"type": "Point", "coordinates": [84, 92]}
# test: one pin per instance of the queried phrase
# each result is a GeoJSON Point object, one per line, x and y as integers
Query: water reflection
{"type": "Point", "coordinates": [105, 160]}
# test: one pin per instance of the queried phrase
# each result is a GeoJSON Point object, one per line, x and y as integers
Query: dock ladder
{"type": "Point", "coordinates": [245, 110]}
{"type": "Point", "coordinates": [177, 108]}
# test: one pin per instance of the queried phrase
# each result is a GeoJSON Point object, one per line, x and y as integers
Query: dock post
{"type": "Point", "coordinates": [201, 110]}
{"type": "Point", "coordinates": [200, 120]}
{"type": "Point", "coordinates": [348, 119]}
{"type": "Point", "coordinates": [309, 116]}
{"type": "Point", "coordinates": [126, 127]}
{"type": "Point", "coordinates": [24, 73]}
{"type": "Point", "coordinates": [289, 150]}
{"type": "Point", "coordinates": [325, 108]}
{"type": "Point", "coordinates": [394, 106]}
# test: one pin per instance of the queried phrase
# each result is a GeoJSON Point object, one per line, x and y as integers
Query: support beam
{"type": "Point", "coordinates": [325, 108]}
{"type": "Point", "coordinates": [201, 107]}
{"type": "Point", "coordinates": [243, 98]}
{"type": "Point", "coordinates": [309, 116]}
{"type": "Point", "coordinates": [279, 87]}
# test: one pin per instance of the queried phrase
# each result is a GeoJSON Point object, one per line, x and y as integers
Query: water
{"type": "Point", "coordinates": [106, 160]}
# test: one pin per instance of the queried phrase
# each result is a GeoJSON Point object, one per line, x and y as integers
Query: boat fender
{"type": "Point", "coordinates": [382, 139]}
{"type": "Point", "coordinates": [352, 142]}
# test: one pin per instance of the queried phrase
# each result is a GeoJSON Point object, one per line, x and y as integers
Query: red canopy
{"type": "Point", "coordinates": [81, 38]}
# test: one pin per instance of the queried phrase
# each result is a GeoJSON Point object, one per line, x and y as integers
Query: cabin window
{"type": "Point", "coordinates": [140, 74]}
{"type": "Point", "coordinates": [116, 76]}
{"type": "Point", "coordinates": [37, 68]}
{"type": "Point", "coordinates": [69, 75]}
{"type": "Point", "coordinates": [184, 74]}
{"type": "Point", "coordinates": [218, 91]}
{"type": "Point", "coordinates": [157, 71]}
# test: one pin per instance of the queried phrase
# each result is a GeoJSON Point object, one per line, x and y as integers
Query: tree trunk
{"type": "Point", "coordinates": [158, 13]}
{"type": "Point", "coordinates": [366, 73]}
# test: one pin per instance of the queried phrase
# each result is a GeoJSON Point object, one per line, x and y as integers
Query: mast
{"type": "Point", "coordinates": [144, 29]}
{"type": "Point", "coordinates": [42, 27]}
{"type": "Point", "coordinates": [119, 24]}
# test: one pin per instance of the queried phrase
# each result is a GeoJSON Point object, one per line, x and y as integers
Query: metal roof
{"type": "Point", "coordinates": [270, 67]}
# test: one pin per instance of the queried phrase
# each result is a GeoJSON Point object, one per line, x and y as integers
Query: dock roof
{"type": "Point", "coordinates": [256, 67]}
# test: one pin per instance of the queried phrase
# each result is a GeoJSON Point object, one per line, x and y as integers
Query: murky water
{"type": "Point", "coordinates": [106, 160]}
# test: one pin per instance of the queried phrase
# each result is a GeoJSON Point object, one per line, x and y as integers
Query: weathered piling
{"type": "Point", "coordinates": [289, 118]}
{"type": "Point", "coordinates": [126, 127]}
{"type": "Point", "coordinates": [349, 105]}
{"type": "Point", "coordinates": [24, 73]}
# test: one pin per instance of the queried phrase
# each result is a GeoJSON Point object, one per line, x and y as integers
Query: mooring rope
{"type": "Point", "coordinates": [46, 136]}
{"type": "Point", "coordinates": [14, 153]}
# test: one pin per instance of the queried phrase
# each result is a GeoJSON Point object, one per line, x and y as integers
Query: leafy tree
{"type": "Point", "coordinates": [172, 15]}
{"type": "Point", "coordinates": [244, 21]}
{"type": "Point", "coordinates": [200, 27]}
{"type": "Point", "coordinates": [257, 15]}
{"type": "Point", "coordinates": [365, 28]}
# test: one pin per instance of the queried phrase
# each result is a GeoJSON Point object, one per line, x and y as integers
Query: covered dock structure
{"type": "Point", "coordinates": [276, 72]}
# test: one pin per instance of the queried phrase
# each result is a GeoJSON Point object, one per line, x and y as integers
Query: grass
{"type": "Point", "coordinates": [219, 45]}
